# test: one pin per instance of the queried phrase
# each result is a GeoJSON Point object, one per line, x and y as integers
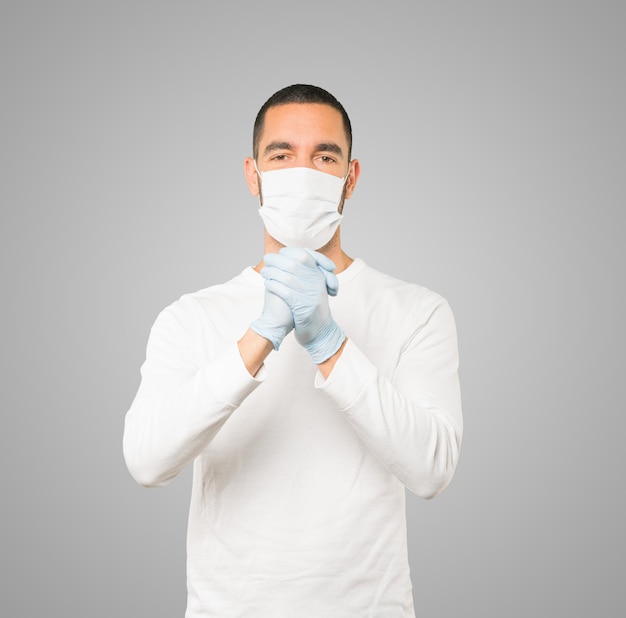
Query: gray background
{"type": "Point", "coordinates": [491, 137]}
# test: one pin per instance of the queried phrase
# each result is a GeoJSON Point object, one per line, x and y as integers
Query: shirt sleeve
{"type": "Point", "coordinates": [181, 404]}
{"type": "Point", "coordinates": [411, 421]}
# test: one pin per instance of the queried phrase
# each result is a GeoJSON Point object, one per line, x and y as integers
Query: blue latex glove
{"type": "Point", "coordinates": [276, 320]}
{"type": "Point", "coordinates": [304, 279]}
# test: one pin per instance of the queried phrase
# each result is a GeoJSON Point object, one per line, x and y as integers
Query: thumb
{"type": "Point", "coordinates": [332, 283]}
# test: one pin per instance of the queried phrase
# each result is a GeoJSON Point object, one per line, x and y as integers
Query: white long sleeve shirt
{"type": "Point", "coordinates": [298, 503]}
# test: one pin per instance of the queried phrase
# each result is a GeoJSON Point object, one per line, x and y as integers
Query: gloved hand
{"type": "Point", "coordinates": [304, 278]}
{"type": "Point", "coordinates": [276, 320]}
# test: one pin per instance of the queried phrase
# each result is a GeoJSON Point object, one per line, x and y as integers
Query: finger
{"type": "Point", "coordinates": [291, 265]}
{"type": "Point", "coordinates": [278, 309]}
{"type": "Point", "coordinates": [271, 273]}
{"type": "Point", "coordinates": [282, 291]}
{"type": "Point", "coordinates": [327, 267]}
{"type": "Point", "coordinates": [321, 260]}
{"type": "Point", "coordinates": [332, 282]}
{"type": "Point", "coordinates": [300, 255]}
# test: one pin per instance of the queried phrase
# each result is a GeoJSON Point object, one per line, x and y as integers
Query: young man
{"type": "Point", "coordinates": [308, 392]}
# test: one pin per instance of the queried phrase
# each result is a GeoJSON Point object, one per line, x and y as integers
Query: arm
{"type": "Point", "coordinates": [180, 404]}
{"type": "Point", "coordinates": [411, 422]}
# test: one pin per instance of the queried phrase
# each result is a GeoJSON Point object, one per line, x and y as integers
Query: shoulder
{"type": "Point", "coordinates": [214, 299]}
{"type": "Point", "coordinates": [385, 314]}
{"type": "Point", "coordinates": [387, 288]}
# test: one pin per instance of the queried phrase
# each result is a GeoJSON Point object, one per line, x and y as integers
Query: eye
{"type": "Point", "coordinates": [326, 159]}
{"type": "Point", "coordinates": [280, 159]}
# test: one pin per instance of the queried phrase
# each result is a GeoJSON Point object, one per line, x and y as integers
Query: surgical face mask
{"type": "Point", "coordinates": [299, 205]}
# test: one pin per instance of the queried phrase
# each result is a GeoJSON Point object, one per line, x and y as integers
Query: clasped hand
{"type": "Point", "coordinates": [302, 279]}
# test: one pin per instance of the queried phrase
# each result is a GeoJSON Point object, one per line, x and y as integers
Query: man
{"type": "Point", "coordinates": [308, 392]}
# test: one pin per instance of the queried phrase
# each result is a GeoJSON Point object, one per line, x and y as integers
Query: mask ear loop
{"type": "Point", "coordinates": [345, 178]}
{"type": "Point", "coordinates": [258, 171]}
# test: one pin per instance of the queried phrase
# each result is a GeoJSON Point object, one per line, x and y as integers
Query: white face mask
{"type": "Point", "coordinates": [299, 205]}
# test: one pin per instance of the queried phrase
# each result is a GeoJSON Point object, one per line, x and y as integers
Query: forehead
{"type": "Point", "coordinates": [303, 122]}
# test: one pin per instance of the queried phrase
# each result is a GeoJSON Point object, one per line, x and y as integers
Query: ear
{"type": "Point", "coordinates": [252, 178]}
{"type": "Point", "coordinates": [355, 171]}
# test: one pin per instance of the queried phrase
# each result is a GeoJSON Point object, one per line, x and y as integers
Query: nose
{"type": "Point", "coordinates": [302, 160]}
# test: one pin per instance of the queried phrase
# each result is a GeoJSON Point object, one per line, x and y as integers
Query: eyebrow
{"type": "Point", "coordinates": [330, 147]}
{"type": "Point", "coordinates": [323, 147]}
{"type": "Point", "coordinates": [277, 146]}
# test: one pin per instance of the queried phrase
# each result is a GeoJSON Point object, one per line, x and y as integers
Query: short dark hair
{"type": "Point", "coordinates": [300, 93]}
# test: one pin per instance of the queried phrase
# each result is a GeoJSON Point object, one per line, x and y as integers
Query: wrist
{"type": "Point", "coordinates": [326, 343]}
{"type": "Point", "coordinates": [270, 332]}
{"type": "Point", "coordinates": [254, 349]}
{"type": "Point", "coordinates": [328, 365]}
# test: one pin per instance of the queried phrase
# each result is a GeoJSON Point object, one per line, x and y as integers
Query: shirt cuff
{"type": "Point", "coordinates": [349, 377]}
{"type": "Point", "coordinates": [229, 379]}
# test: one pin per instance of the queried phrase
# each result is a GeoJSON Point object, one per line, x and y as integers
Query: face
{"type": "Point", "coordinates": [303, 135]}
